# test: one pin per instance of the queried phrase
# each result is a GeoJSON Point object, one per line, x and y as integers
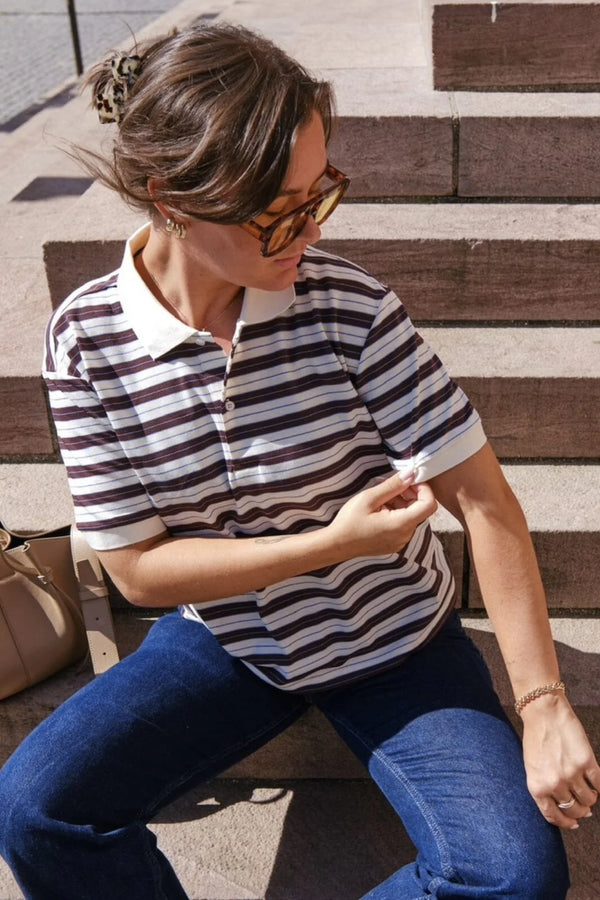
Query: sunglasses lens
{"type": "Point", "coordinates": [328, 204]}
{"type": "Point", "coordinates": [291, 227]}
{"type": "Point", "coordinates": [285, 233]}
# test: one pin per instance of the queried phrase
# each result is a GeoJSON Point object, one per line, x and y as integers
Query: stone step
{"type": "Point", "coordinates": [515, 377]}
{"type": "Point", "coordinates": [535, 388]}
{"type": "Point", "coordinates": [560, 502]}
{"type": "Point", "coordinates": [469, 262]}
{"type": "Point", "coordinates": [477, 262]}
{"type": "Point", "coordinates": [311, 748]}
{"type": "Point", "coordinates": [541, 46]}
{"type": "Point", "coordinates": [533, 146]}
{"type": "Point", "coordinates": [492, 146]}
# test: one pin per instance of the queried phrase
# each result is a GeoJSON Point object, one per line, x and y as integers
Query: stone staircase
{"type": "Point", "coordinates": [530, 46]}
{"type": "Point", "coordinates": [477, 201]}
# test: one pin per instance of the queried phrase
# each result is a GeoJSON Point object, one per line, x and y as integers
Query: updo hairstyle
{"type": "Point", "coordinates": [211, 116]}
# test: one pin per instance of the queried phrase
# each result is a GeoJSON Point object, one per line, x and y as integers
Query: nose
{"type": "Point", "coordinates": [311, 232]}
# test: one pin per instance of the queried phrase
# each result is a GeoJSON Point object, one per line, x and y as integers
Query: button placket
{"type": "Point", "coordinates": [228, 407]}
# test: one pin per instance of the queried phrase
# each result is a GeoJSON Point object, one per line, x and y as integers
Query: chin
{"type": "Point", "coordinates": [286, 281]}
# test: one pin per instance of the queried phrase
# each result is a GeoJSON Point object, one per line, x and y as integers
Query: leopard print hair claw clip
{"type": "Point", "coordinates": [111, 96]}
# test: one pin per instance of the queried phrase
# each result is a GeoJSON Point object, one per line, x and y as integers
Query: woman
{"type": "Point", "coordinates": [255, 433]}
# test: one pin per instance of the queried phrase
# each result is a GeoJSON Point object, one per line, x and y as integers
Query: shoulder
{"type": "Point", "coordinates": [322, 273]}
{"type": "Point", "coordinates": [87, 312]}
{"type": "Point", "coordinates": [95, 298]}
{"type": "Point", "coordinates": [346, 294]}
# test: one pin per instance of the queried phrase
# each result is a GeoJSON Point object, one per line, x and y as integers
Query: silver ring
{"type": "Point", "coordinates": [568, 804]}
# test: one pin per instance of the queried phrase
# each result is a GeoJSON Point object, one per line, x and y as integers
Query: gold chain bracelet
{"type": "Point", "coordinates": [538, 692]}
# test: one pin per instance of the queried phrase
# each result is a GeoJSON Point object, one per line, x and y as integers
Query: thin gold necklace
{"type": "Point", "coordinates": [179, 314]}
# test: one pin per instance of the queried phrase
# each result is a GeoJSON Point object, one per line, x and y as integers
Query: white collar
{"type": "Point", "coordinates": [160, 331]}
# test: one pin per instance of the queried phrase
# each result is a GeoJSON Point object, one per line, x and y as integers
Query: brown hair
{"type": "Point", "coordinates": [211, 117]}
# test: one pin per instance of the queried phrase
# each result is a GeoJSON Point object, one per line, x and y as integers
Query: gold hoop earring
{"type": "Point", "coordinates": [176, 228]}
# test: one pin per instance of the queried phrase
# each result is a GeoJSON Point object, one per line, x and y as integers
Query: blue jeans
{"type": "Point", "coordinates": [76, 796]}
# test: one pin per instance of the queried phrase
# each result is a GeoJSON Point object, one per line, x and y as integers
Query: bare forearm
{"type": "Point", "coordinates": [558, 758]}
{"type": "Point", "coordinates": [168, 572]}
{"type": "Point", "coordinates": [510, 583]}
{"type": "Point", "coordinates": [477, 493]}
{"type": "Point", "coordinates": [194, 570]}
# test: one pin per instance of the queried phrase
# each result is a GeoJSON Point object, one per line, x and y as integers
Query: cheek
{"type": "Point", "coordinates": [226, 253]}
{"type": "Point", "coordinates": [234, 256]}
{"type": "Point", "coordinates": [240, 248]}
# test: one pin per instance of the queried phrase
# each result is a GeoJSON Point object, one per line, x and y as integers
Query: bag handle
{"type": "Point", "coordinates": [23, 561]}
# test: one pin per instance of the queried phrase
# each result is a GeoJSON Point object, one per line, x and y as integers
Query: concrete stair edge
{"type": "Point", "coordinates": [446, 248]}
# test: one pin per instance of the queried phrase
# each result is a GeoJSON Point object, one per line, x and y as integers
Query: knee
{"type": "Point", "coordinates": [515, 862]}
{"type": "Point", "coordinates": [10, 807]}
{"type": "Point", "coordinates": [17, 810]}
{"type": "Point", "coordinates": [24, 800]}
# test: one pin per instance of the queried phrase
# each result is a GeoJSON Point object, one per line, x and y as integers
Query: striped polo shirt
{"type": "Point", "coordinates": [327, 389]}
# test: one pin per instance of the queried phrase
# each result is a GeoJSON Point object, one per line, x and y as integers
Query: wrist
{"type": "Point", "coordinates": [545, 696]}
{"type": "Point", "coordinates": [338, 543]}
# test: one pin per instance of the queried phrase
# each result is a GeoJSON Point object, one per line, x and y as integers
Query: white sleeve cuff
{"type": "Point", "coordinates": [447, 457]}
{"type": "Point", "coordinates": [113, 539]}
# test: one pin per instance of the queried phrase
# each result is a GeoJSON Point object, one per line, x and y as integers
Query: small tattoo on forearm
{"type": "Point", "coordinates": [271, 540]}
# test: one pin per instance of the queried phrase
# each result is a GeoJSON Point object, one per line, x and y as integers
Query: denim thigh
{"type": "Point", "coordinates": [75, 796]}
{"type": "Point", "coordinates": [434, 737]}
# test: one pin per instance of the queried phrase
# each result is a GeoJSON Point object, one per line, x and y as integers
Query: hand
{"type": "Point", "coordinates": [559, 760]}
{"type": "Point", "coordinates": [382, 519]}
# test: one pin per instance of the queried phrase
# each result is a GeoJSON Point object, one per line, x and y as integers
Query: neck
{"type": "Point", "coordinates": [189, 294]}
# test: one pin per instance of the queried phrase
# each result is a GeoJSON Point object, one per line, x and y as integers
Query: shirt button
{"type": "Point", "coordinates": [229, 405]}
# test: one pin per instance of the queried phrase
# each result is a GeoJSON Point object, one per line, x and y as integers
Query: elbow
{"type": "Point", "coordinates": [132, 576]}
{"type": "Point", "coordinates": [139, 598]}
{"type": "Point", "coordinates": [132, 591]}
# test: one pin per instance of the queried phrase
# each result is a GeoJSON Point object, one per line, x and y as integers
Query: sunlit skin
{"type": "Point", "coordinates": [201, 274]}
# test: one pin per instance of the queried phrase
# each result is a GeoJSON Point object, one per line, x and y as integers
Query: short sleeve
{"type": "Point", "coordinates": [425, 420]}
{"type": "Point", "coordinates": [111, 506]}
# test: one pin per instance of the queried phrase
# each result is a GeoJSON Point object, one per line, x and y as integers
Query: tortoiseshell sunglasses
{"type": "Point", "coordinates": [281, 233]}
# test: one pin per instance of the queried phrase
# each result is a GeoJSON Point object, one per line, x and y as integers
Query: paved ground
{"type": "Point", "coordinates": [37, 58]}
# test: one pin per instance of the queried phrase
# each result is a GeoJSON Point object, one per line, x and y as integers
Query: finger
{"type": "Point", "coordinates": [401, 501]}
{"type": "Point", "coordinates": [592, 777]}
{"type": "Point", "coordinates": [571, 810]}
{"type": "Point", "coordinates": [384, 492]}
{"type": "Point", "coordinates": [556, 816]}
{"type": "Point", "coordinates": [586, 795]}
{"type": "Point", "coordinates": [417, 510]}
{"type": "Point", "coordinates": [426, 496]}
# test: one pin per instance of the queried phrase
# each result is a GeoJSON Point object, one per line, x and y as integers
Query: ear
{"type": "Point", "coordinates": [154, 186]}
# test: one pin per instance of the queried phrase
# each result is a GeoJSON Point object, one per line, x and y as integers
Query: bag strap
{"type": "Point", "coordinates": [95, 604]}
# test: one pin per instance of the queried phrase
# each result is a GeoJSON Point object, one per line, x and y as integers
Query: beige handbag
{"type": "Point", "coordinates": [52, 592]}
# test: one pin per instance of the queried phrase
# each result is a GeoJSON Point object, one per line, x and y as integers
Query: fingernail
{"type": "Point", "coordinates": [574, 827]}
{"type": "Point", "coordinates": [407, 475]}
{"type": "Point", "coordinates": [587, 816]}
